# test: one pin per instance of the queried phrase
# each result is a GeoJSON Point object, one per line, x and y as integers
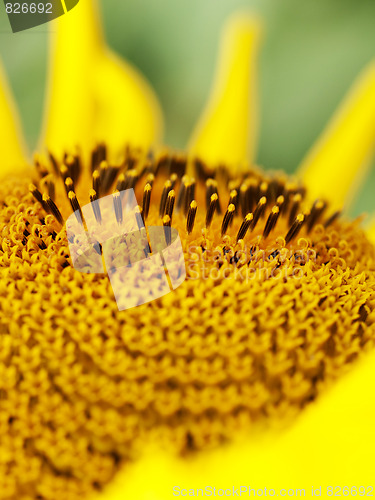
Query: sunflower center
{"type": "Point", "coordinates": [276, 305]}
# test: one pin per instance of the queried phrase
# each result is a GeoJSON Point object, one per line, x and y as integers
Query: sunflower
{"type": "Point", "coordinates": [257, 371]}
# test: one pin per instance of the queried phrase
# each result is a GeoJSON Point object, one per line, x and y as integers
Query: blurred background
{"type": "Point", "coordinates": [311, 54]}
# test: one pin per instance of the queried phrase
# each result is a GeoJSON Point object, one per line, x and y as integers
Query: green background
{"type": "Point", "coordinates": [312, 52]}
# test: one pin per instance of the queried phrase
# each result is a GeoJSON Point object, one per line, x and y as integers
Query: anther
{"type": "Point", "coordinates": [163, 199]}
{"type": "Point", "coordinates": [227, 219]}
{"type": "Point", "coordinates": [214, 201]}
{"type": "Point", "coordinates": [146, 200]}
{"type": "Point", "coordinates": [191, 216]}
{"type": "Point", "coordinates": [271, 221]}
{"type": "Point", "coordinates": [117, 206]}
{"type": "Point", "coordinates": [75, 206]}
{"type": "Point", "coordinates": [244, 226]}
{"type": "Point", "coordinates": [52, 208]}
{"type": "Point", "coordinates": [95, 206]}
{"type": "Point", "coordinates": [170, 203]}
{"type": "Point", "coordinates": [258, 212]}
{"type": "Point", "coordinates": [295, 228]}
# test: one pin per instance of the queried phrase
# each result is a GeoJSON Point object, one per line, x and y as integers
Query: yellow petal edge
{"type": "Point", "coordinates": [337, 164]}
{"type": "Point", "coordinates": [331, 445]}
{"type": "Point", "coordinates": [93, 95]}
{"type": "Point", "coordinates": [227, 130]}
{"type": "Point", "coordinates": [13, 151]}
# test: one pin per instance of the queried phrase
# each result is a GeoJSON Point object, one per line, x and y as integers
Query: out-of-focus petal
{"type": "Point", "coordinates": [336, 165]}
{"type": "Point", "coordinates": [93, 95]}
{"type": "Point", "coordinates": [227, 130]}
{"type": "Point", "coordinates": [13, 155]}
{"type": "Point", "coordinates": [330, 445]}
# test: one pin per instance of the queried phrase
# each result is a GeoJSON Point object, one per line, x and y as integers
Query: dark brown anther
{"type": "Point", "coordinates": [98, 155]}
{"type": "Point", "coordinates": [258, 212]}
{"type": "Point", "coordinates": [227, 219]}
{"type": "Point", "coordinates": [69, 185]}
{"type": "Point", "coordinates": [244, 226]}
{"type": "Point", "coordinates": [295, 228]}
{"type": "Point", "coordinates": [190, 194]}
{"type": "Point", "coordinates": [52, 208]}
{"type": "Point", "coordinates": [54, 163]}
{"type": "Point", "coordinates": [173, 178]}
{"type": "Point", "coordinates": [163, 199]}
{"type": "Point", "coordinates": [95, 206]}
{"type": "Point", "coordinates": [211, 188]}
{"type": "Point", "coordinates": [167, 229]}
{"type": "Point", "coordinates": [271, 221]}
{"type": "Point", "coordinates": [117, 206]}
{"type": "Point", "coordinates": [64, 172]}
{"type": "Point", "coordinates": [214, 200]}
{"type": "Point", "coordinates": [75, 206]}
{"type": "Point", "coordinates": [182, 193]}
{"type": "Point", "coordinates": [96, 182]}
{"type": "Point", "coordinates": [120, 186]}
{"type": "Point", "coordinates": [294, 207]}
{"type": "Point", "coordinates": [36, 193]}
{"type": "Point", "coordinates": [131, 178]}
{"type": "Point", "coordinates": [146, 200]}
{"type": "Point", "coordinates": [333, 217]}
{"type": "Point", "coordinates": [280, 202]}
{"type": "Point", "coordinates": [192, 212]}
{"type": "Point", "coordinates": [170, 203]}
{"type": "Point", "coordinates": [233, 199]}
{"type": "Point", "coordinates": [316, 212]}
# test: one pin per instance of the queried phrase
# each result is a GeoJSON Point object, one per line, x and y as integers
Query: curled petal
{"type": "Point", "coordinates": [338, 162]}
{"type": "Point", "coordinates": [13, 154]}
{"type": "Point", "coordinates": [226, 132]}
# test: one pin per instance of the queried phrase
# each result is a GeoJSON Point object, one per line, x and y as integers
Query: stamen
{"type": "Point", "coordinates": [117, 206]}
{"type": "Point", "coordinates": [75, 206]}
{"type": "Point", "coordinates": [271, 221]}
{"type": "Point", "coordinates": [69, 185]}
{"type": "Point", "coordinates": [96, 182]}
{"type": "Point", "coordinates": [295, 228]}
{"type": "Point", "coordinates": [333, 217]}
{"type": "Point", "coordinates": [191, 216]}
{"type": "Point", "coordinates": [233, 199]}
{"type": "Point", "coordinates": [211, 188]}
{"type": "Point", "coordinates": [190, 194]}
{"type": "Point", "coordinates": [95, 206]}
{"type": "Point", "coordinates": [296, 201]}
{"type": "Point", "coordinates": [258, 212]}
{"type": "Point", "coordinates": [315, 214]}
{"type": "Point", "coordinates": [214, 202]}
{"type": "Point", "coordinates": [36, 193]}
{"type": "Point", "coordinates": [244, 226]}
{"type": "Point", "coordinates": [227, 219]}
{"type": "Point", "coordinates": [170, 203]}
{"type": "Point", "coordinates": [121, 183]}
{"type": "Point", "coordinates": [182, 193]}
{"type": "Point", "coordinates": [163, 199]}
{"type": "Point", "coordinates": [146, 200]}
{"type": "Point", "coordinates": [167, 229]}
{"type": "Point", "coordinates": [52, 208]}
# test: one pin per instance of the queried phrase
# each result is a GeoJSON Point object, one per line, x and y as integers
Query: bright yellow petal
{"type": "Point", "coordinates": [330, 445]}
{"type": "Point", "coordinates": [226, 132]}
{"type": "Point", "coordinates": [12, 145]}
{"type": "Point", "coordinates": [336, 165]}
{"type": "Point", "coordinates": [94, 96]}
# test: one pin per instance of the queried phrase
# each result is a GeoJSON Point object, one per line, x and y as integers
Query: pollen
{"type": "Point", "coordinates": [277, 304]}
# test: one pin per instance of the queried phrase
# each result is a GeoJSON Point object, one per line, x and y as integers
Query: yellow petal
{"type": "Point", "coordinates": [226, 131]}
{"type": "Point", "coordinates": [330, 445]}
{"type": "Point", "coordinates": [93, 95]}
{"type": "Point", "coordinates": [13, 154]}
{"type": "Point", "coordinates": [337, 164]}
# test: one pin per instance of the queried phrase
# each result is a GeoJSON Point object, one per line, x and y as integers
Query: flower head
{"type": "Point", "coordinates": [277, 305]}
